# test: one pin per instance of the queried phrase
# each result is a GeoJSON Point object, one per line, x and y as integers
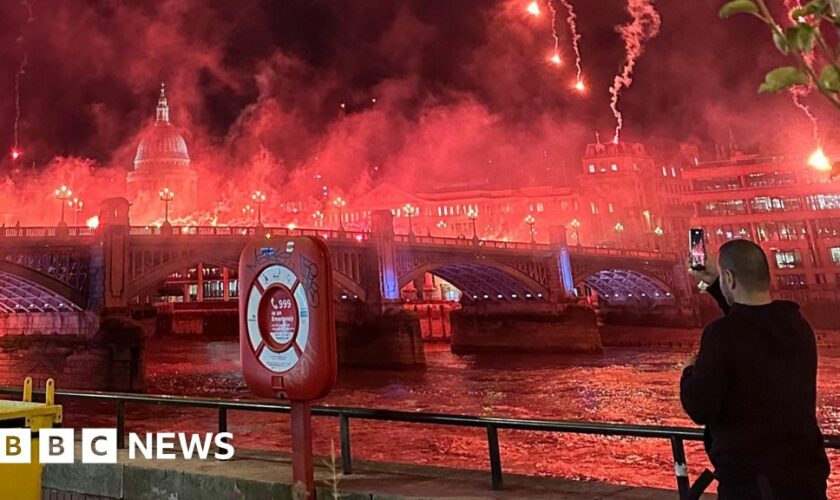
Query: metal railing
{"type": "Point", "coordinates": [675, 435]}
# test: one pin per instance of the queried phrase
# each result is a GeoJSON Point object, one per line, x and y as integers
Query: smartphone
{"type": "Point", "coordinates": [697, 248]}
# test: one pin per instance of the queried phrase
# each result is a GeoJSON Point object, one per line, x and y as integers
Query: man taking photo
{"type": "Point", "coordinates": [753, 385]}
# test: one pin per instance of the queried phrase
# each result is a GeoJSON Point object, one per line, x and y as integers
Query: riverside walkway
{"type": "Point", "coordinates": [256, 475]}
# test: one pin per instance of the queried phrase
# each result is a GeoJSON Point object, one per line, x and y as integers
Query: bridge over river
{"type": "Point", "coordinates": [515, 295]}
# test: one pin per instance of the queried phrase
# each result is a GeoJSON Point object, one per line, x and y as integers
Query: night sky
{"type": "Point", "coordinates": [461, 82]}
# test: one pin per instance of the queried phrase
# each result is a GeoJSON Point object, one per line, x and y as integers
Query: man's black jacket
{"type": "Point", "coordinates": [754, 388]}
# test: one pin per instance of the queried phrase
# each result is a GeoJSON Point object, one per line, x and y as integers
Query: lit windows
{"type": "Point", "coordinates": [834, 252]}
{"type": "Point", "coordinates": [788, 259]}
{"type": "Point", "coordinates": [614, 167]}
{"type": "Point", "coordinates": [610, 208]}
{"type": "Point", "coordinates": [823, 201]}
{"type": "Point", "coordinates": [594, 207]}
{"type": "Point", "coordinates": [664, 171]}
{"type": "Point", "coordinates": [591, 168]}
{"type": "Point", "coordinates": [791, 281]}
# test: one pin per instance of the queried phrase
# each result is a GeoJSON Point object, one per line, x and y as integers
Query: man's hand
{"type": "Point", "coordinates": [707, 275]}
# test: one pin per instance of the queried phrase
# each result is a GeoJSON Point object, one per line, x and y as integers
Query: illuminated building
{"type": "Point", "coordinates": [622, 187]}
{"type": "Point", "coordinates": [789, 209]}
{"type": "Point", "coordinates": [162, 161]}
{"type": "Point", "coordinates": [620, 184]}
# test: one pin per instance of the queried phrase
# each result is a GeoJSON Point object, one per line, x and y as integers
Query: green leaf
{"type": "Point", "coordinates": [800, 37]}
{"type": "Point", "coordinates": [782, 78]}
{"type": "Point", "coordinates": [781, 42]}
{"type": "Point", "coordinates": [814, 7]}
{"type": "Point", "coordinates": [737, 7]}
{"type": "Point", "coordinates": [830, 79]}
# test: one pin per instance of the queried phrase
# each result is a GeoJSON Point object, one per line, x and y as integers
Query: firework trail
{"type": "Point", "coordinates": [555, 55]}
{"type": "Point", "coordinates": [571, 21]}
{"type": "Point", "coordinates": [797, 93]}
{"type": "Point", "coordinates": [644, 26]}
{"type": "Point", "coordinates": [16, 152]}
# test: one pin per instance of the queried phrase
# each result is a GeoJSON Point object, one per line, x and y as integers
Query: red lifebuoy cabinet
{"type": "Point", "coordinates": [287, 318]}
{"type": "Point", "coordinates": [287, 331]}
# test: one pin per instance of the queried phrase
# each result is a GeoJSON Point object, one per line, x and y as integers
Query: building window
{"type": "Point", "coordinates": [781, 231]}
{"type": "Point", "coordinates": [591, 168]}
{"type": "Point", "coordinates": [610, 207]}
{"type": "Point", "coordinates": [834, 252]}
{"type": "Point", "coordinates": [791, 281]}
{"type": "Point", "coordinates": [828, 228]}
{"type": "Point", "coordinates": [788, 259]}
{"type": "Point", "coordinates": [673, 172]}
{"type": "Point", "coordinates": [769, 204]}
{"type": "Point", "coordinates": [594, 207]}
{"type": "Point", "coordinates": [614, 167]}
{"type": "Point", "coordinates": [823, 201]}
{"type": "Point", "coordinates": [725, 207]}
{"type": "Point", "coordinates": [664, 171]}
{"type": "Point", "coordinates": [714, 184]}
{"type": "Point", "coordinates": [770, 179]}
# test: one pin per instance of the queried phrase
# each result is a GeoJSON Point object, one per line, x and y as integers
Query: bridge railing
{"type": "Point", "coordinates": [622, 252]}
{"type": "Point", "coordinates": [675, 435]}
{"type": "Point", "coordinates": [464, 242]}
{"type": "Point", "coordinates": [45, 231]}
{"type": "Point", "coordinates": [247, 231]}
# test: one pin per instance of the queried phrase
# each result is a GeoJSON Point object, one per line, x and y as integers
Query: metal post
{"type": "Point", "coordinates": [120, 424]}
{"type": "Point", "coordinates": [346, 455]}
{"type": "Point", "coordinates": [223, 420]}
{"type": "Point", "coordinates": [680, 467]}
{"type": "Point", "coordinates": [302, 462]}
{"type": "Point", "coordinates": [495, 457]}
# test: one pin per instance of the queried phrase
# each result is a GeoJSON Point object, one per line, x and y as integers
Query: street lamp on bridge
{"type": "Point", "coordinates": [410, 211]}
{"type": "Point", "coordinates": [248, 212]}
{"type": "Point", "coordinates": [258, 197]}
{"type": "Point", "coordinates": [441, 225]}
{"type": "Point", "coordinates": [472, 214]}
{"type": "Point", "coordinates": [63, 194]}
{"type": "Point", "coordinates": [658, 231]}
{"type": "Point", "coordinates": [166, 196]}
{"type": "Point", "coordinates": [319, 218]}
{"type": "Point", "coordinates": [340, 203]}
{"type": "Point", "coordinates": [530, 220]}
{"type": "Point", "coordinates": [619, 228]}
{"type": "Point", "coordinates": [77, 205]}
{"type": "Point", "coordinates": [576, 226]}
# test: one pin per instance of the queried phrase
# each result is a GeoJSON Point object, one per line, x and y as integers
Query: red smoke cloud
{"type": "Point", "coordinates": [434, 93]}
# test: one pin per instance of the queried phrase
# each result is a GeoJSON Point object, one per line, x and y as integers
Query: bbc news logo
{"type": "Point", "coordinates": [99, 446]}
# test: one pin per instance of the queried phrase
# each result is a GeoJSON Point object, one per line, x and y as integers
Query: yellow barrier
{"type": "Point", "coordinates": [23, 481]}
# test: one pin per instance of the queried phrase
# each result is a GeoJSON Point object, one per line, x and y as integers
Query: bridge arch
{"type": "Point", "coordinates": [17, 278]}
{"type": "Point", "coordinates": [480, 279]}
{"type": "Point", "coordinates": [150, 280]}
{"type": "Point", "coordinates": [160, 273]}
{"type": "Point", "coordinates": [23, 290]}
{"type": "Point", "coordinates": [626, 286]}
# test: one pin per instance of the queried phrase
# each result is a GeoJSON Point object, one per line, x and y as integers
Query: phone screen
{"type": "Point", "coordinates": [697, 249]}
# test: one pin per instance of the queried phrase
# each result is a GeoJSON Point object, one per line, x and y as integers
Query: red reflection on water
{"type": "Point", "coordinates": [621, 386]}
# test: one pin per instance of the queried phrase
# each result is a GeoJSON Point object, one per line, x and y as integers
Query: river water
{"type": "Point", "coordinates": [622, 385]}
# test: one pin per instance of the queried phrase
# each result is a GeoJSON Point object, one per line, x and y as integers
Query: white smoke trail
{"type": "Point", "coordinates": [644, 26]}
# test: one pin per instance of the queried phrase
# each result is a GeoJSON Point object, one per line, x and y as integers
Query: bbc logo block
{"type": "Point", "coordinates": [99, 446]}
